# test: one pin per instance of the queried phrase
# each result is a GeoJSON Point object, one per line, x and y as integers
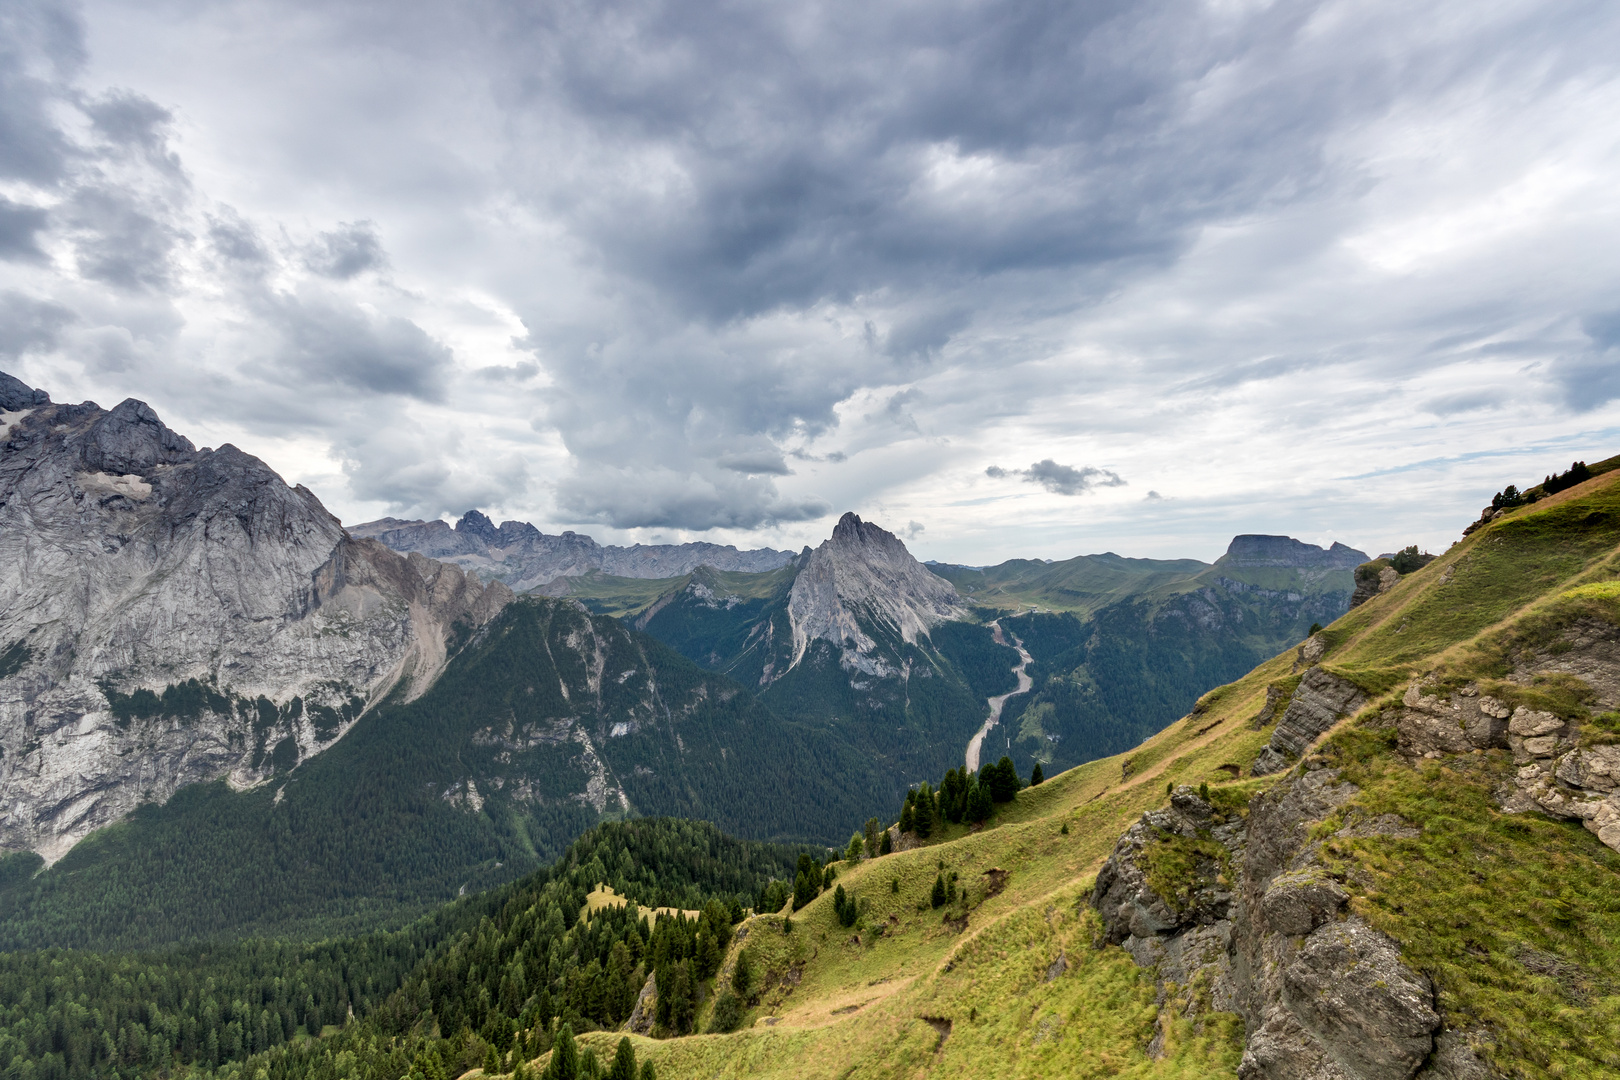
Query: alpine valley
{"type": "Point", "coordinates": [283, 799]}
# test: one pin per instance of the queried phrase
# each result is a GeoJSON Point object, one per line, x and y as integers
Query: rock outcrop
{"type": "Point", "coordinates": [527, 559]}
{"type": "Point", "coordinates": [862, 581]}
{"type": "Point", "coordinates": [1260, 928]}
{"type": "Point", "coordinates": [1569, 766]}
{"type": "Point", "coordinates": [170, 615]}
{"type": "Point", "coordinates": [1321, 700]}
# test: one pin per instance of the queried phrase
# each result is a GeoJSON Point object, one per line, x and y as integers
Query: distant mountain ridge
{"type": "Point", "coordinates": [524, 558]}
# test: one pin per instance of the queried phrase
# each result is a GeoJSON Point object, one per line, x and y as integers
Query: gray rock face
{"type": "Point", "coordinates": [1372, 1014]}
{"type": "Point", "coordinates": [1323, 995]}
{"type": "Point", "coordinates": [525, 558]}
{"type": "Point", "coordinates": [1320, 701]}
{"type": "Point", "coordinates": [130, 564]}
{"type": "Point", "coordinates": [865, 574]}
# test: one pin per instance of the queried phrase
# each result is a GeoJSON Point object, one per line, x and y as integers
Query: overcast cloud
{"type": "Point", "coordinates": [665, 271]}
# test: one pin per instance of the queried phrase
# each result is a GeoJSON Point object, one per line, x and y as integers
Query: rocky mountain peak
{"type": "Point", "coordinates": [1257, 550]}
{"type": "Point", "coordinates": [160, 603]}
{"type": "Point", "coordinates": [476, 524]}
{"type": "Point", "coordinates": [863, 577]}
{"type": "Point", "coordinates": [16, 395]}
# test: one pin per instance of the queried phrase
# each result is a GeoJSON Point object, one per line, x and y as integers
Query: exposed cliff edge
{"type": "Point", "coordinates": [170, 615]}
{"type": "Point", "coordinates": [525, 558]}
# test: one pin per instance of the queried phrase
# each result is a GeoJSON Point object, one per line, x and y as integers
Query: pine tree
{"type": "Point", "coordinates": [937, 898]}
{"type": "Point", "coordinates": [564, 1056]}
{"type": "Point", "coordinates": [1036, 776]}
{"type": "Point", "coordinates": [857, 844]}
{"type": "Point", "coordinates": [978, 804]}
{"type": "Point", "coordinates": [624, 1062]}
{"type": "Point", "coordinates": [886, 845]}
{"type": "Point", "coordinates": [648, 1072]}
{"type": "Point", "coordinates": [590, 1067]}
{"type": "Point", "coordinates": [492, 1063]}
{"type": "Point", "coordinates": [873, 827]}
{"type": "Point", "coordinates": [906, 819]}
{"type": "Point", "coordinates": [742, 975]}
{"type": "Point", "coordinates": [922, 812]}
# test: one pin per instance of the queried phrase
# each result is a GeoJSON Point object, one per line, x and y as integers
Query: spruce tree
{"type": "Point", "coordinates": [886, 845]}
{"type": "Point", "coordinates": [1035, 775]}
{"type": "Point", "coordinates": [922, 812]}
{"type": "Point", "coordinates": [906, 819]}
{"type": "Point", "coordinates": [873, 827]}
{"type": "Point", "coordinates": [742, 975]}
{"type": "Point", "coordinates": [648, 1072]}
{"type": "Point", "coordinates": [937, 897]}
{"type": "Point", "coordinates": [624, 1062]}
{"type": "Point", "coordinates": [492, 1063]}
{"type": "Point", "coordinates": [978, 804]}
{"type": "Point", "coordinates": [564, 1056]}
{"type": "Point", "coordinates": [857, 844]}
{"type": "Point", "coordinates": [590, 1068]}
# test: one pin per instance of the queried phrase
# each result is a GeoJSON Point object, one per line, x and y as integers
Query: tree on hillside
{"type": "Point", "coordinates": [886, 845]}
{"type": "Point", "coordinates": [564, 1056]}
{"type": "Point", "coordinates": [624, 1062]}
{"type": "Point", "coordinates": [742, 975]}
{"type": "Point", "coordinates": [979, 805]}
{"type": "Point", "coordinates": [857, 844]}
{"type": "Point", "coordinates": [937, 897]}
{"type": "Point", "coordinates": [907, 821]}
{"type": "Point", "coordinates": [1002, 778]}
{"type": "Point", "coordinates": [806, 882]}
{"type": "Point", "coordinates": [922, 812]}
{"type": "Point", "coordinates": [873, 827]}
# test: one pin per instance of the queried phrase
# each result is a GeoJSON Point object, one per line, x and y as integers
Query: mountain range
{"type": "Point", "coordinates": [1386, 850]}
{"type": "Point", "coordinates": [525, 558]}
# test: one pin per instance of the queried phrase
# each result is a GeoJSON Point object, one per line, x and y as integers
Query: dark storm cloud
{"type": "Point", "coordinates": [118, 240]}
{"type": "Point", "coordinates": [1060, 479]}
{"type": "Point", "coordinates": [28, 325]}
{"type": "Point", "coordinates": [1591, 377]}
{"type": "Point", "coordinates": [351, 249]}
{"type": "Point", "coordinates": [41, 46]}
{"type": "Point", "coordinates": [20, 227]}
{"type": "Point", "coordinates": [875, 146]}
{"type": "Point", "coordinates": [328, 340]}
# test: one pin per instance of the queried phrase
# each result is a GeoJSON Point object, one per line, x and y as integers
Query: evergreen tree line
{"type": "Point", "coordinates": [500, 972]}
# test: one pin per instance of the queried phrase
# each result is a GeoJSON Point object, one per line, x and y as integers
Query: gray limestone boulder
{"type": "Point", "coordinates": [1372, 1014]}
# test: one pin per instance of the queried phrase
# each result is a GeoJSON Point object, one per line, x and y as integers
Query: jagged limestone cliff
{"type": "Point", "coordinates": [170, 615]}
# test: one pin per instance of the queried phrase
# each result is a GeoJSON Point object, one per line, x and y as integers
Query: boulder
{"type": "Point", "coordinates": [1372, 1014]}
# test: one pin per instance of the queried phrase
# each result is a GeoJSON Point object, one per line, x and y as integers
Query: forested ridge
{"type": "Point", "coordinates": [480, 969]}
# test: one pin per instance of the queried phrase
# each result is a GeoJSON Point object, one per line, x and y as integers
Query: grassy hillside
{"type": "Point", "coordinates": [1080, 585]}
{"type": "Point", "coordinates": [1513, 915]}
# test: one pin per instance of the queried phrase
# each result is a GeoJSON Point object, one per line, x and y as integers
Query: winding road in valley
{"type": "Point", "coordinates": [1024, 683]}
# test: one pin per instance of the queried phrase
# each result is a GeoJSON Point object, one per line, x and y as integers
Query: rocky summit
{"type": "Point", "coordinates": [864, 574]}
{"type": "Point", "coordinates": [170, 615]}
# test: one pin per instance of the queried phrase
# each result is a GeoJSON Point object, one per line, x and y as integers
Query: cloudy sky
{"type": "Point", "coordinates": [1035, 278]}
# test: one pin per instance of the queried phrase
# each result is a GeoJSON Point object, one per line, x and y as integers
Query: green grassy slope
{"type": "Point", "coordinates": [1080, 585]}
{"type": "Point", "coordinates": [1513, 915]}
